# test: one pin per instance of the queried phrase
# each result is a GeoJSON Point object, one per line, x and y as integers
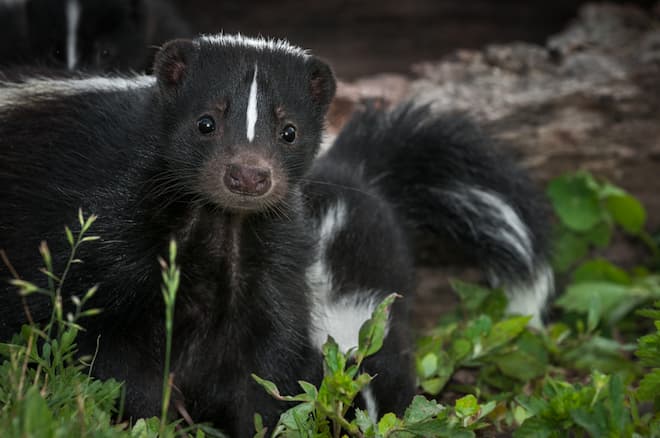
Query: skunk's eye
{"type": "Point", "coordinates": [206, 124]}
{"type": "Point", "coordinates": [288, 134]}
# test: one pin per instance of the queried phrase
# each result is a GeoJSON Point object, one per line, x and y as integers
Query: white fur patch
{"type": "Point", "coordinates": [513, 232]}
{"type": "Point", "coordinates": [37, 89]}
{"type": "Point", "coordinates": [339, 317]}
{"type": "Point", "coordinates": [259, 43]}
{"type": "Point", "coordinates": [72, 22]}
{"type": "Point", "coordinates": [326, 143]}
{"type": "Point", "coordinates": [531, 298]}
{"type": "Point", "coordinates": [505, 224]}
{"type": "Point", "coordinates": [342, 318]}
{"type": "Point", "coordinates": [252, 113]}
{"type": "Point", "coordinates": [370, 403]}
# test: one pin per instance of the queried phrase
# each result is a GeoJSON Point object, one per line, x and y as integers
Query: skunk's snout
{"type": "Point", "coordinates": [247, 180]}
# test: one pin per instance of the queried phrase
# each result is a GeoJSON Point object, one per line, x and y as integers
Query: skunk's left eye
{"type": "Point", "coordinates": [206, 124]}
{"type": "Point", "coordinates": [288, 134]}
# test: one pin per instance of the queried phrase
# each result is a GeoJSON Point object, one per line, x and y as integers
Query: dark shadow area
{"type": "Point", "coordinates": [366, 36]}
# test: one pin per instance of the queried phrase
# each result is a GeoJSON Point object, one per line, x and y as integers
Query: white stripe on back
{"type": "Point", "coordinates": [251, 116]}
{"type": "Point", "coordinates": [72, 20]}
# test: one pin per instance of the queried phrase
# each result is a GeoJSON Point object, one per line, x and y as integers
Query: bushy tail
{"type": "Point", "coordinates": [445, 176]}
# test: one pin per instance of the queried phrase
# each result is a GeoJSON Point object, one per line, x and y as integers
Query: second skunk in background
{"type": "Point", "coordinates": [92, 35]}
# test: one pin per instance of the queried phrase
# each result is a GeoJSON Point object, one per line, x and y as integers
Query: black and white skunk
{"type": "Point", "coordinates": [278, 248]}
{"type": "Point", "coordinates": [92, 35]}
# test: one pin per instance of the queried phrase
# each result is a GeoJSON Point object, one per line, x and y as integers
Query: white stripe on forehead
{"type": "Point", "coordinates": [252, 113]}
{"type": "Point", "coordinates": [260, 43]}
{"type": "Point", "coordinates": [72, 20]}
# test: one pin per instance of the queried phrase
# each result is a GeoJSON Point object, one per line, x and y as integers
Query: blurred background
{"type": "Point", "coordinates": [362, 37]}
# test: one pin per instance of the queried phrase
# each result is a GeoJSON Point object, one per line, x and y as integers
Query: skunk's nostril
{"type": "Point", "coordinates": [247, 180]}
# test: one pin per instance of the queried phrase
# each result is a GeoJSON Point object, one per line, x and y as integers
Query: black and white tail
{"type": "Point", "coordinates": [446, 177]}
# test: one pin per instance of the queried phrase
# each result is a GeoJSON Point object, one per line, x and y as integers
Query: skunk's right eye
{"type": "Point", "coordinates": [206, 124]}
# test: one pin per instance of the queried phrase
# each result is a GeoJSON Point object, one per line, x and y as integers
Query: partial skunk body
{"type": "Point", "coordinates": [278, 249]}
{"type": "Point", "coordinates": [90, 35]}
{"type": "Point", "coordinates": [445, 178]}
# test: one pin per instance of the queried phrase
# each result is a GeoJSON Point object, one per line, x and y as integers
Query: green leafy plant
{"type": "Point", "coordinates": [324, 411]}
{"type": "Point", "coordinates": [47, 391]}
{"type": "Point", "coordinates": [44, 389]}
{"type": "Point", "coordinates": [588, 211]}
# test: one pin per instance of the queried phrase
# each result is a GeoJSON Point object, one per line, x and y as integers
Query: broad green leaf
{"type": "Point", "coordinates": [569, 247]}
{"type": "Point", "coordinates": [600, 235]}
{"type": "Point", "coordinates": [466, 406]}
{"type": "Point", "coordinates": [387, 423]}
{"type": "Point", "coordinates": [649, 386]}
{"type": "Point", "coordinates": [36, 417]}
{"type": "Point", "coordinates": [619, 414]}
{"type": "Point", "coordinates": [576, 204]}
{"type": "Point", "coordinates": [364, 422]}
{"type": "Point", "coordinates": [581, 297]}
{"type": "Point", "coordinates": [421, 409]}
{"type": "Point", "coordinates": [428, 365]}
{"type": "Point", "coordinates": [471, 295]}
{"type": "Point", "coordinates": [592, 422]}
{"type": "Point", "coordinates": [628, 212]}
{"type": "Point", "coordinates": [535, 427]}
{"type": "Point", "coordinates": [434, 386]}
{"type": "Point", "coordinates": [600, 270]}
{"type": "Point", "coordinates": [528, 360]}
{"type": "Point", "coordinates": [505, 331]}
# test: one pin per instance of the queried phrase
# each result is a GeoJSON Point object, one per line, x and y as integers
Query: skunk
{"type": "Point", "coordinates": [92, 35]}
{"type": "Point", "coordinates": [448, 179]}
{"type": "Point", "coordinates": [278, 248]}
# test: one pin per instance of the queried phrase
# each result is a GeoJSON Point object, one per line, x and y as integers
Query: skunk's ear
{"type": "Point", "coordinates": [322, 84]}
{"type": "Point", "coordinates": [172, 62]}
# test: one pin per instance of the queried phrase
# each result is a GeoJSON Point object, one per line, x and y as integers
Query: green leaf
{"type": "Point", "coordinates": [600, 270]}
{"type": "Point", "coordinates": [628, 212]}
{"type": "Point", "coordinates": [471, 295]}
{"type": "Point", "coordinates": [528, 360]}
{"type": "Point", "coordinates": [387, 423]}
{"type": "Point", "coordinates": [69, 235]}
{"type": "Point", "coordinates": [589, 421]}
{"type": "Point", "coordinates": [421, 409]}
{"type": "Point", "coordinates": [576, 204]}
{"type": "Point", "coordinates": [364, 422]}
{"type": "Point", "coordinates": [649, 386]}
{"type": "Point", "coordinates": [504, 332]}
{"type": "Point", "coordinates": [428, 365]}
{"type": "Point", "coordinates": [36, 417]}
{"type": "Point", "coordinates": [618, 414]}
{"type": "Point", "coordinates": [569, 247]}
{"type": "Point", "coordinates": [581, 297]}
{"type": "Point", "coordinates": [434, 386]}
{"type": "Point", "coordinates": [466, 406]}
{"type": "Point", "coordinates": [599, 235]}
{"type": "Point", "coordinates": [535, 427]}
{"type": "Point", "coordinates": [372, 332]}
{"type": "Point", "coordinates": [334, 360]}
{"type": "Point", "coordinates": [269, 386]}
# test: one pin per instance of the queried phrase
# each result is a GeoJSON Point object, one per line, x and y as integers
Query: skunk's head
{"type": "Point", "coordinates": [243, 117]}
{"type": "Point", "coordinates": [95, 35]}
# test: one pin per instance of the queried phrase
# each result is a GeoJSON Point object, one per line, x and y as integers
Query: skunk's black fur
{"type": "Point", "coordinates": [117, 35]}
{"type": "Point", "coordinates": [277, 250]}
{"type": "Point", "coordinates": [446, 177]}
